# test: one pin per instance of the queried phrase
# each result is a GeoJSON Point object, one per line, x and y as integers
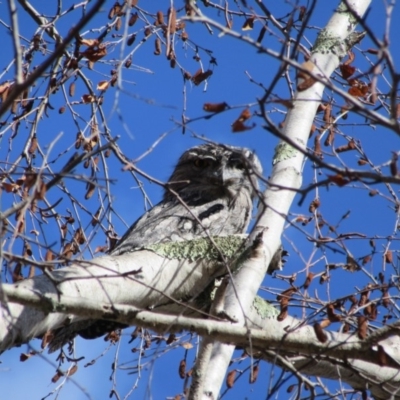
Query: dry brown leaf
{"type": "Point", "coordinates": [215, 107]}
{"type": "Point", "coordinates": [239, 126]}
{"type": "Point", "coordinates": [94, 53]}
{"type": "Point", "coordinates": [362, 161]}
{"type": "Point", "coordinates": [319, 333]}
{"type": "Point", "coordinates": [103, 85]}
{"type": "Point", "coordinates": [351, 58]}
{"type": "Point", "coordinates": [389, 257]}
{"type": "Point", "coordinates": [89, 42]}
{"type": "Point", "coordinates": [351, 145]}
{"type": "Point", "coordinates": [310, 277]}
{"type": "Point", "coordinates": [244, 115]}
{"type": "Point", "coordinates": [201, 76]}
{"type": "Point", "coordinates": [356, 92]}
{"type": "Point", "coordinates": [347, 70]}
{"type": "Point", "coordinates": [187, 75]}
{"type": "Point", "coordinates": [283, 314]}
{"type": "Point", "coordinates": [248, 24]}
{"type": "Point", "coordinates": [46, 339]}
{"type": "Point", "coordinates": [25, 356]}
{"type": "Point", "coordinates": [254, 373]}
{"type": "Point", "coordinates": [331, 314]}
{"type": "Point", "coordinates": [306, 84]}
{"type": "Point", "coordinates": [79, 237]}
{"type": "Point", "coordinates": [325, 323]}
{"type": "Point", "coordinates": [362, 326]}
{"type": "Point", "coordinates": [230, 379]}
{"type": "Point", "coordinates": [10, 187]}
{"type": "Point", "coordinates": [314, 205]}
{"type": "Point", "coordinates": [339, 180]}
{"type": "Point", "coordinates": [88, 98]}
{"type": "Point", "coordinates": [57, 376]}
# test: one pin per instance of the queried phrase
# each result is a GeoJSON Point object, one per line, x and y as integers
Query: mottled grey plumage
{"type": "Point", "coordinates": [210, 192]}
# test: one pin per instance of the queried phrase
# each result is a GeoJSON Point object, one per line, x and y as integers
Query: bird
{"type": "Point", "coordinates": [210, 193]}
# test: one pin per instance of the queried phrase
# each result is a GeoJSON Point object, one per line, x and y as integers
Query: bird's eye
{"type": "Point", "coordinates": [238, 164]}
{"type": "Point", "coordinates": [201, 163]}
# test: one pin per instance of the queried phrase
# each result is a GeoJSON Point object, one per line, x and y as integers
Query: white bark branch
{"type": "Point", "coordinates": [343, 356]}
{"type": "Point", "coordinates": [330, 47]}
{"type": "Point", "coordinates": [142, 279]}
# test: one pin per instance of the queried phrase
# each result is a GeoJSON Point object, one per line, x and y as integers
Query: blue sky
{"type": "Point", "coordinates": [148, 105]}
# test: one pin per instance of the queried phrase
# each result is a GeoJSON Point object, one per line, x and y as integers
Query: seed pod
{"type": "Point", "coordinates": [71, 89]}
{"type": "Point", "coordinates": [128, 62]}
{"type": "Point", "coordinates": [133, 19]}
{"type": "Point", "coordinates": [182, 369]}
{"type": "Point", "coordinates": [160, 18]}
{"type": "Point", "coordinates": [118, 24]}
{"type": "Point", "coordinates": [184, 36]}
{"type": "Point", "coordinates": [157, 44]}
{"type": "Point", "coordinates": [33, 146]}
{"type": "Point", "coordinates": [90, 191]}
{"type": "Point", "coordinates": [131, 39]}
{"type": "Point", "coordinates": [172, 20]}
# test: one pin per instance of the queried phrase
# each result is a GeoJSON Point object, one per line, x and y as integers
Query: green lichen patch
{"type": "Point", "coordinates": [284, 151]}
{"type": "Point", "coordinates": [204, 248]}
{"type": "Point", "coordinates": [327, 43]}
{"type": "Point", "coordinates": [264, 308]}
{"type": "Point", "coordinates": [343, 9]}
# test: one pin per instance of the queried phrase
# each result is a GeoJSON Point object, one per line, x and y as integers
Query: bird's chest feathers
{"type": "Point", "coordinates": [223, 216]}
